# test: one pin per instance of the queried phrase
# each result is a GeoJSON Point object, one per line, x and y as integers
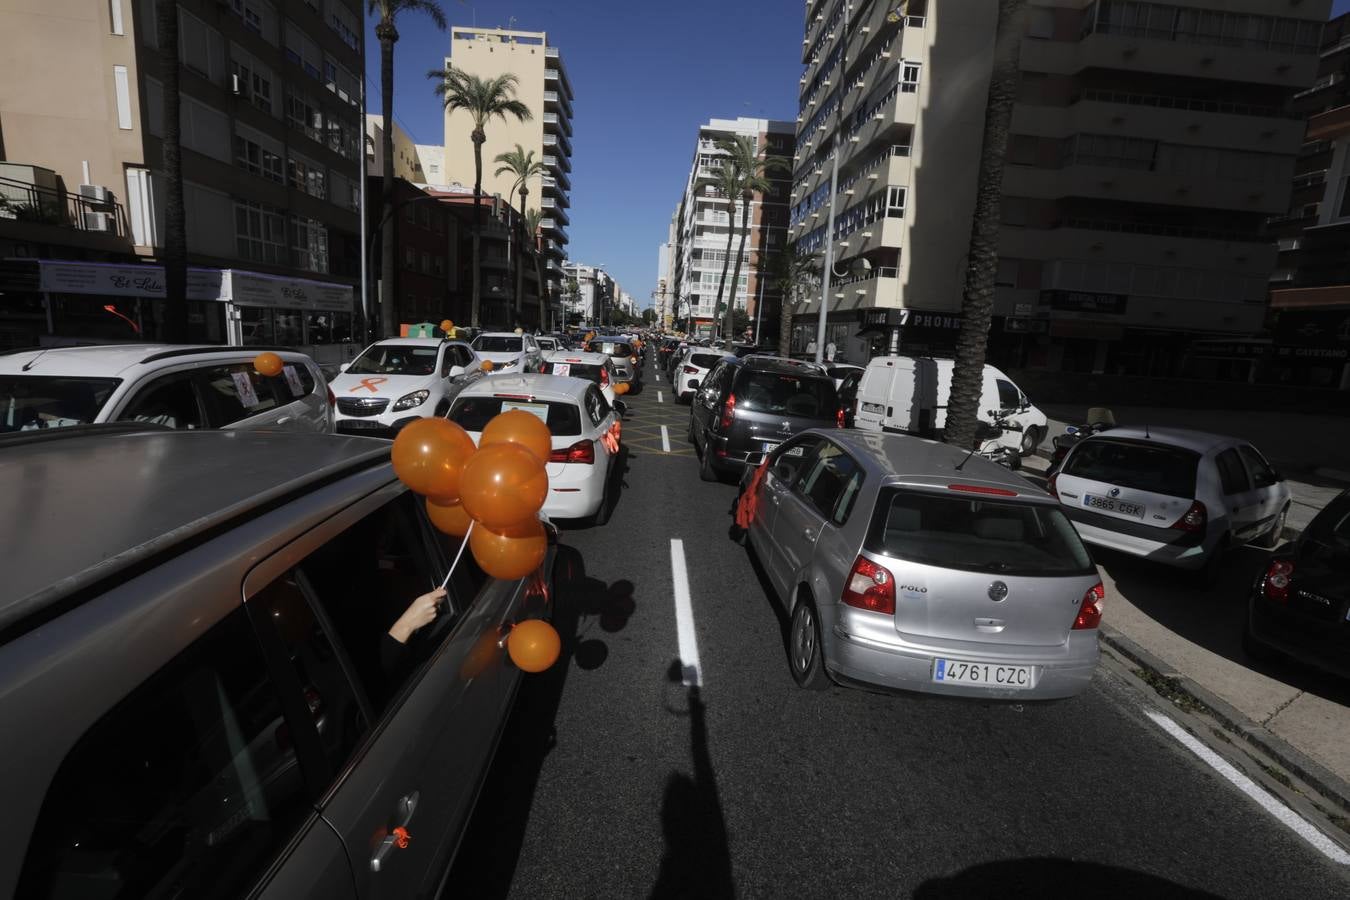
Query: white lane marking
{"type": "Point", "coordinates": [665, 439]}
{"type": "Point", "coordinates": [658, 376]}
{"type": "Point", "coordinates": [684, 617]}
{"type": "Point", "coordinates": [660, 398]}
{"type": "Point", "coordinates": [1293, 820]}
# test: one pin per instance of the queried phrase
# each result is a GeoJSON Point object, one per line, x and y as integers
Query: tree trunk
{"type": "Point", "coordinates": [726, 263]}
{"type": "Point", "coordinates": [520, 258]}
{"type": "Point", "coordinates": [785, 321]}
{"type": "Point", "coordinates": [476, 298]}
{"type": "Point", "coordinates": [388, 236]}
{"type": "Point", "coordinates": [736, 272]}
{"type": "Point", "coordinates": [977, 302]}
{"type": "Point", "coordinates": [175, 216]}
{"type": "Point", "coordinates": [539, 281]}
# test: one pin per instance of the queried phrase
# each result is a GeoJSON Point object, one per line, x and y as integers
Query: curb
{"type": "Point", "coordinates": [1335, 789]}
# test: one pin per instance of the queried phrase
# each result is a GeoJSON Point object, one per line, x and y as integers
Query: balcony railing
{"type": "Point", "coordinates": [1190, 104]}
{"type": "Point", "coordinates": [26, 202]}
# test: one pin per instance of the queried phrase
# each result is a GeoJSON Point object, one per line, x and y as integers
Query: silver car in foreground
{"type": "Point", "coordinates": [905, 564]}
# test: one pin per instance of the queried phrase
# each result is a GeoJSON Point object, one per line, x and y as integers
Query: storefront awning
{"type": "Point", "coordinates": [237, 286]}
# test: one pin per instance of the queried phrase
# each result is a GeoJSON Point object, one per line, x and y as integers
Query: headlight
{"type": "Point", "coordinates": [408, 401]}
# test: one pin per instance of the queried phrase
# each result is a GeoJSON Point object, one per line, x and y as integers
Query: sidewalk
{"type": "Point", "coordinates": [1296, 715]}
{"type": "Point", "coordinates": [1312, 452]}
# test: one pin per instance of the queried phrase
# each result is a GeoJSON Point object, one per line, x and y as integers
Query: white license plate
{"type": "Point", "coordinates": [770, 446]}
{"type": "Point", "coordinates": [955, 671]}
{"type": "Point", "coordinates": [1110, 504]}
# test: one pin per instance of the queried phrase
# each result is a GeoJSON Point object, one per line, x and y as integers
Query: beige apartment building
{"type": "Point", "coordinates": [703, 222]}
{"type": "Point", "coordinates": [545, 88]}
{"type": "Point", "coordinates": [1149, 143]}
{"type": "Point", "coordinates": [270, 93]}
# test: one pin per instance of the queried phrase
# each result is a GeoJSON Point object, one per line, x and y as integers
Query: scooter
{"type": "Point", "coordinates": [1099, 419]}
{"type": "Point", "coordinates": [988, 445]}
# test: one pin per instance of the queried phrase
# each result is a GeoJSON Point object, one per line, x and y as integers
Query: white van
{"type": "Point", "coordinates": [909, 394]}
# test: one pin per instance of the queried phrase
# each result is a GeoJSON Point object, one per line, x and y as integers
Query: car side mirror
{"type": "Point", "coordinates": [694, 385]}
{"type": "Point", "coordinates": [456, 370]}
{"type": "Point", "coordinates": [621, 407]}
{"type": "Point", "coordinates": [344, 367]}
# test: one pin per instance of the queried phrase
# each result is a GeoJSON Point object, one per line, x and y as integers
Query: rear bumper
{"type": "Point", "coordinates": [909, 668]}
{"type": "Point", "coordinates": [1179, 549]}
{"type": "Point", "coordinates": [1308, 640]}
{"type": "Point", "coordinates": [578, 491]}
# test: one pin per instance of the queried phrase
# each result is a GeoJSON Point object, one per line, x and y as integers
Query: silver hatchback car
{"type": "Point", "coordinates": [905, 564]}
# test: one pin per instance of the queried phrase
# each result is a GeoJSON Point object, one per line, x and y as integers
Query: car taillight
{"type": "Point", "coordinates": [728, 410]}
{"type": "Point", "coordinates": [839, 417]}
{"type": "Point", "coordinates": [1050, 485]}
{"type": "Point", "coordinates": [690, 370]}
{"type": "Point", "coordinates": [1275, 584]}
{"type": "Point", "coordinates": [604, 377]}
{"type": "Point", "coordinates": [1194, 519]}
{"type": "Point", "coordinates": [870, 587]}
{"type": "Point", "coordinates": [332, 399]}
{"type": "Point", "coordinates": [580, 452]}
{"type": "Point", "coordinates": [1090, 610]}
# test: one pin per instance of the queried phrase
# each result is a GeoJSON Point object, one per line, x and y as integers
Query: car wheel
{"type": "Point", "coordinates": [1031, 439]}
{"type": "Point", "coordinates": [805, 657]}
{"type": "Point", "coordinates": [1273, 537]}
{"type": "Point", "coordinates": [606, 508]}
{"type": "Point", "coordinates": [689, 435]}
{"type": "Point", "coordinates": [705, 463]}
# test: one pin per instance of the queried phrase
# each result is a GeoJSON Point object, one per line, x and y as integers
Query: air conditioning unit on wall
{"type": "Point", "coordinates": [98, 221]}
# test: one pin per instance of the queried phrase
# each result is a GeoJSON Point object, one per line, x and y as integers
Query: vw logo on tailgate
{"type": "Point", "coordinates": [998, 591]}
{"type": "Point", "coordinates": [1114, 492]}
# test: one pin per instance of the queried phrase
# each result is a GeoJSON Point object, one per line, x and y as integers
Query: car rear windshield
{"type": "Point", "coordinates": [1157, 468]}
{"type": "Point", "coordinates": [29, 402]}
{"type": "Point", "coordinates": [497, 344]}
{"type": "Point", "coordinates": [473, 413]}
{"type": "Point", "coordinates": [976, 535]}
{"type": "Point", "coordinates": [704, 360]}
{"type": "Point", "coordinates": [388, 359]}
{"type": "Point", "coordinates": [584, 371]}
{"type": "Point", "coordinates": [613, 348]}
{"type": "Point", "coordinates": [804, 397]}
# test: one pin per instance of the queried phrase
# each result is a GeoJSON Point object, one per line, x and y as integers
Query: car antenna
{"type": "Point", "coordinates": [1147, 436]}
{"type": "Point", "coordinates": [32, 362]}
{"type": "Point", "coordinates": [966, 460]}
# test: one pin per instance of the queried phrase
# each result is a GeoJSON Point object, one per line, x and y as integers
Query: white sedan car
{"type": "Point", "coordinates": [693, 370]}
{"type": "Point", "coordinates": [585, 429]}
{"type": "Point", "coordinates": [597, 368]}
{"type": "Point", "coordinates": [396, 381]}
{"type": "Point", "coordinates": [510, 353]}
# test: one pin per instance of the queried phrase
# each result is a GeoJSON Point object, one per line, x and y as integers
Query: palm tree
{"type": "Point", "coordinates": [744, 173]}
{"type": "Point", "coordinates": [533, 218]}
{"type": "Point", "coordinates": [977, 301]}
{"type": "Point", "coordinates": [484, 99]}
{"type": "Point", "coordinates": [175, 215]}
{"type": "Point", "coordinates": [795, 274]}
{"type": "Point", "coordinates": [388, 11]}
{"type": "Point", "coordinates": [522, 164]}
{"type": "Point", "coordinates": [727, 183]}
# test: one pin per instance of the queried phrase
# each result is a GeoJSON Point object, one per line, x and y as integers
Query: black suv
{"type": "Point", "coordinates": [753, 404]}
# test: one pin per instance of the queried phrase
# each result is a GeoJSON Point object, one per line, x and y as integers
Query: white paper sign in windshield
{"type": "Point", "coordinates": [538, 410]}
{"type": "Point", "coordinates": [243, 386]}
{"type": "Point", "coordinates": [293, 379]}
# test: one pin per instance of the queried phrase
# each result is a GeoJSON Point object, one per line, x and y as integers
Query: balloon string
{"type": "Point", "coordinates": [467, 532]}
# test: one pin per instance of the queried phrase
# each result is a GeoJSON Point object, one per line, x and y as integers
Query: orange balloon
{"type": "Point", "coordinates": [509, 556]}
{"type": "Point", "coordinates": [486, 366]}
{"type": "Point", "coordinates": [534, 645]}
{"type": "Point", "coordinates": [447, 326]}
{"type": "Point", "coordinates": [449, 518]}
{"type": "Point", "coordinates": [621, 388]}
{"type": "Point", "coordinates": [503, 486]}
{"type": "Point", "coordinates": [429, 455]}
{"type": "Point", "coordinates": [267, 363]}
{"type": "Point", "coordinates": [519, 427]}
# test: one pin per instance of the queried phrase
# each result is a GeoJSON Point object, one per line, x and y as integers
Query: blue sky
{"type": "Point", "coordinates": [645, 73]}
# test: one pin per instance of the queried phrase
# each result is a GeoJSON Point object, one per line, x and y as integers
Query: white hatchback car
{"type": "Point", "coordinates": [585, 429]}
{"type": "Point", "coordinates": [597, 368]}
{"type": "Point", "coordinates": [510, 353]}
{"type": "Point", "coordinates": [400, 380]}
{"type": "Point", "coordinates": [692, 370]}
{"type": "Point", "coordinates": [181, 386]}
{"type": "Point", "coordinates": [1171, 495]}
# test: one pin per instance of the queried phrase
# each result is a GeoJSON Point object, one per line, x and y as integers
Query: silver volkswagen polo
{"type": "Point", "coordinates": [905, 564]}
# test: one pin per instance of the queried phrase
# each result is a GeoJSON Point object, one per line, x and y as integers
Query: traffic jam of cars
{"type": "Point", "coordinates": [441, 480]}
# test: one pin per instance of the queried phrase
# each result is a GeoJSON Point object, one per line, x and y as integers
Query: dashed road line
{"type": "Point", "coordinates": [665, 439]}
{"type": "Point", "coordinates": [660, 398]}
{"type": "Point", "coordinates": [690, 673]}
{"type": "Point", "coordinates": [1296, 823]}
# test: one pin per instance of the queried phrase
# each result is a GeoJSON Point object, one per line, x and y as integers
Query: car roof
{"type": "Point", "coordinates": [498, 334]}
{"type": "Point", "coordinates": [100, 499]}
{"type": "Point", "coordinates": [1186, 438]}
{"type": "Point", "coordinates": [545, 387]}
{"type": "Point", "coordinates": [904, 459]}
{"type": "Point", "coordinates": [113, 360]}
{"type": "Point", "coordinates": [414, 342]}
{"type": "Point", "coordinates": [577, 356]}
{"type": "Point", "coordinates": [781, 365]}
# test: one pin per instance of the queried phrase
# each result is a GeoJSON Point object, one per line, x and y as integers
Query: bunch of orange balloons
{"type": "Point", "coordinates": [492, 493]}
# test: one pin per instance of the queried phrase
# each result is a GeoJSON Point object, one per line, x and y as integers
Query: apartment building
{"type": "Point", "coordinates": [594, 295]}
{"type": "Point", "coordinates": [1149, 143]}
{"type": "Point", "coordinates": [704, 221]}
{"type": "Point", "coordinates": [269, 97]}
{"type": "Point", "coordinates": [545, 88]}
{"type": "Point", "coordinates": [1310, 287]}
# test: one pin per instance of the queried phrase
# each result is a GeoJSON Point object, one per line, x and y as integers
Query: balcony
{"type": "Point", "coordinates": [560, 165]}
{"type": "Point", "coordinates": [553, 192]}
{"type": "Point", "coordinates": [878, 288]}
{"type": "Point", "coordinates": [50, 213]}
{"type": "Point", "coordinates": [555, 209]}
{"type": "Point", "coordinates": [552, 119]}
{"type": "Point", "coordinates": [555, 100]}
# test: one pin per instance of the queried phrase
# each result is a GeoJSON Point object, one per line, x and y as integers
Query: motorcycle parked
{"type": "Point", "coordinates": [988, 445]}
{"type": "Point", "coordinates": [1099, 419]}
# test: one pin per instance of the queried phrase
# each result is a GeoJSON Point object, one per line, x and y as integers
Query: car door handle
{"type": "Point", "coordinates": [398, 836]}
{"type": "Point", "coordinates": [284, 419]}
